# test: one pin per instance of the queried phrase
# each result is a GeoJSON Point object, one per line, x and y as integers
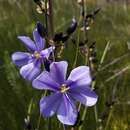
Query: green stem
{"type": "Point", "coordinates": [49, 123]}
{"type": "Point", "coordinates": [64, 127]}
{"type": "Point", "coordinates": [39, 119]}
{"type": "Point", "coordinates": [95, 113]}
{"type": "Point", "coordinates": [51, 17]}
{"type": "Point", "coordinates": [77, 47]}
{"type": "Point", "coordinates": [51, 23]}
{"type": "Point", "coordinates": [83, 117]}
{"type": "Point", "coordinates": [46, 16]}
{"type": "Point", "coordinates": [77, 50]}
{"type": "Point", "coordinates": [85, 110]}
{"type": "Point", "coordinates": [30, 107]}
{"type": "Point", "coordinates": [109, 118]}
{"type": "Point", "coordinates": [104, 53]}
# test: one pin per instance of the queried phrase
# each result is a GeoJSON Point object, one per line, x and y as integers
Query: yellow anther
{"type": "Point", "coordinates": [37, 55]}
{"type": "Point", "coordinates": [64, 88]}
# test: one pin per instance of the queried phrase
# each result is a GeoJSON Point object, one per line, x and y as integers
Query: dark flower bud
{"type": "Point", "coordinates": [104, 115]}
{"type": "Point", "coordinates": [89, 16]}
{"type": "Point", "coordinates": [92, 46]}
{"type": "Point", "coordinates": [27, 124]}
{"type": "Point", "coordinates": [36, 1]}
{"type": "Point", "coordinates": [81, 44]}
{"type": "Point", "coordinates": [83, 13]}
{"type": "Point", "coordinates": [58, 37]}
{"type": "Point", "coordinates": [41, 29]}
{"type": "Point", "coordinates": [1, 62]}
{"type": "Point", "coordinates": [96, 11]}
{"type": "Point", "coordinates": [93, 78]}
{"type": "Point", "coordinates": [72, 27]}
{"type": "Point", "coordinates": [73, 40]}
{"type": "Point", "coordinates": [110, 103]}
{"type": "Point", "coordinates": [65, 37]}
{"type": "Point", "coordinates": [93, 14]}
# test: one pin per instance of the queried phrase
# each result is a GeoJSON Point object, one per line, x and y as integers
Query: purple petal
{"type": "Point", "coordinates": [40, 42]}
{"type": "Point", "coordinates": [67, 112]}
{"type": "Point", "coordinates": [30, 71]}
{"type": "Point", "coordinates": [46, 53]}
{"type": "Point", "coordinates": [21, 58]}
{"type": "Point", "coordinates": [44, 81]}
{"type": "Point", "coordinates": [84, 95]}
{"type": "Point", "coordinates": [58, 71]}
{"type": "Point", "coordinates": [50, 104]}
{"type": "Point", "coordinates": [28, 43]}
{"type": "Point", "coordinates": [80, 76]}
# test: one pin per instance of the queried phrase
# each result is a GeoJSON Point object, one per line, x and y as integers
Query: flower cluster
{"type": "Point", "coordinates": [30, 62]}
{"type": "Point", "coordinates": [65, 91]}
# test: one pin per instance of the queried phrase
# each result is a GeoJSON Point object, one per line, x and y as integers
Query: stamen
{"type": "Point", "coordinates": [37, 55]}
{"type": "Point", "coordinates": [64, 88]}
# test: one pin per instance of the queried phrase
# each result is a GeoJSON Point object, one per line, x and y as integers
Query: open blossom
{"type": "Point", "coordinates": [65, 91]}
{"type": "Point", "coordinates": [30, 62]}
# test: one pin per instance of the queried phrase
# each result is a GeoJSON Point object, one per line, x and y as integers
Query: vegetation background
{"type": "Point", "coordinates": [111, 29]}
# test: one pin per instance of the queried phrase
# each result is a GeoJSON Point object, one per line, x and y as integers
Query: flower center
{"type": "Point", "coordinates": [37, 55]}
{"type": "Point", "coordinates": [64, 88]}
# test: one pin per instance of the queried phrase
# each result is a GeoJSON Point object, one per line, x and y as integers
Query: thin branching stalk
{"type": "Point", "coordinates": [51, 23]}
{"type": "Point", "coordinates": [86, 58]}
{"type": "Point", "coordinates": [77, 43]}
{"type": "Point", "coordinates": [46, 16]}
{"type": "Point", "coordinates": [77, 49]}
{"type": "Point", "coordinates": [51, 17]}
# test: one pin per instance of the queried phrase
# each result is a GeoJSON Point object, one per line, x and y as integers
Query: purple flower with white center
{"type": "Point", "coordinates": [30, 62]}
{"type": "Point", "coordinates": [65, 92]}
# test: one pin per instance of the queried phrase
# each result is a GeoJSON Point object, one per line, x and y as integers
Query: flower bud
{"type": "Point", "coordinates": [41, 29]}
{"type": "Point", "coordinates": [72, 27]}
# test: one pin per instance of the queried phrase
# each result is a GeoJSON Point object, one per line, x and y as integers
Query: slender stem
{"type": "Point", "coordinates": [39, 119]}
{"type": "Point", "coordinates": [86, 59]}
{"type": "Point", "coordinates": [77, 50]}
{"type": "Point", "coordinates": [49, 124]}
{"type": "Point", "coordinates": [83, 117]}
{"type": "Point", "coordinates": [51, 23]}
{"type": "Point", "coordinates": [64, 127]}
{"type": "Point", "coordinates": [30, 107]}
{"type": "Point", "coordinates": [104, 53]}
{"type": "Point", "coordinates": [46, 16]}
{"type": "Point", "coordinates": [51, 17]}
{"type": "Point", "coordinates": [79, 107]}
{"type": "Point", "coordinates": [83, 9]}
{"type": "Point", "coordinates": [109, 118]}
{"type": "Point", "coordinates": [95, 113]}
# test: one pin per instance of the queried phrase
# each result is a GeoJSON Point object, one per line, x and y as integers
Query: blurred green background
{"type": "Point", "coordinates": [111, 27]}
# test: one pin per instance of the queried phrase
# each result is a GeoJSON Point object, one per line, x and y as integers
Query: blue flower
{"type": "Point", "coordinates": [65, 92]}
{"type": "Point", "coordinates": [30, 62]}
